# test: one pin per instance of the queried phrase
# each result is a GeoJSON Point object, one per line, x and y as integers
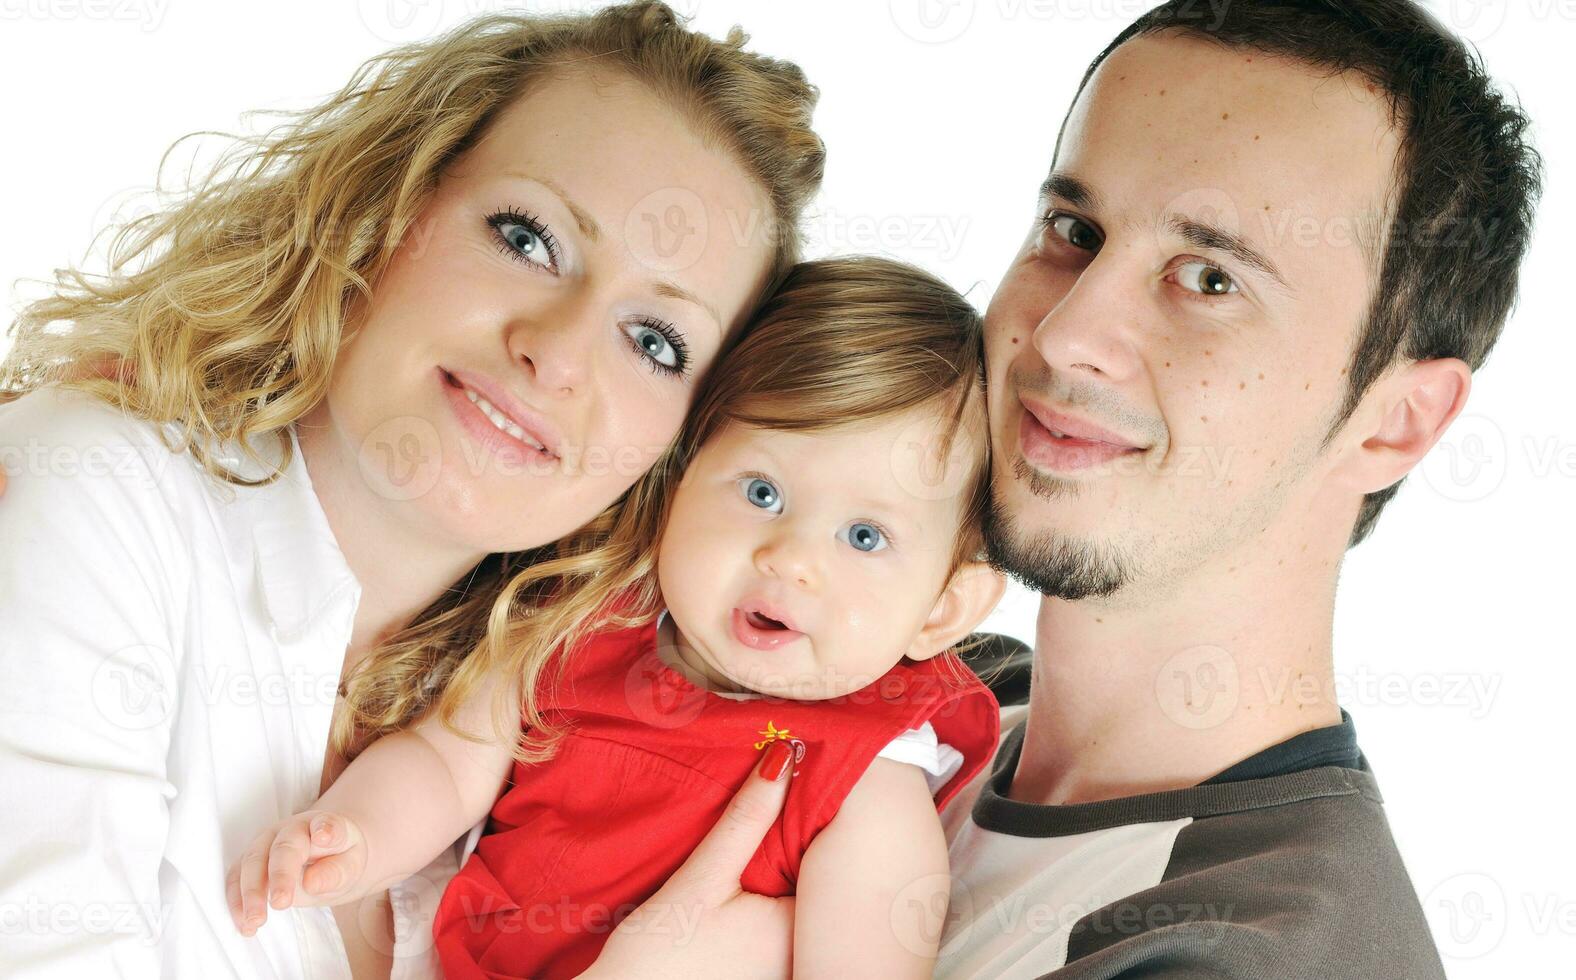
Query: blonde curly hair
{"type": "Point", "coordinates": [223, 313]}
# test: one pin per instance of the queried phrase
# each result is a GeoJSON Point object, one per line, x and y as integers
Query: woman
{"type": "Point", "coordinates": [373, 365]}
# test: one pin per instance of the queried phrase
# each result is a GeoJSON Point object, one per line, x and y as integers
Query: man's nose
{"type": "Point", "coordinates": [1091, 331]}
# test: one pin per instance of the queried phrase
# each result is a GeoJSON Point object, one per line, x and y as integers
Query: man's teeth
{"type": "Point", "coordinates": [500, 420]}
{"type": "Point", "coordinates": [1059, 435]}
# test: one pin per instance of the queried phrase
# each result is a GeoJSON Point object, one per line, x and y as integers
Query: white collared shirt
{"type": "Point", "coordinates": [170, 652]}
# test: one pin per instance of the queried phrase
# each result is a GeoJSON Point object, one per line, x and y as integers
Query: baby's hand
{"type": "Point", "coordinates": [323, 852]}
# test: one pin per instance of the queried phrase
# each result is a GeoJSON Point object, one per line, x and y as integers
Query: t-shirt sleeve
{"type": "Point", "coordinates": [920, 747]}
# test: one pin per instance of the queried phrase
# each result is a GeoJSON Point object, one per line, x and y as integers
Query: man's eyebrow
{"type": "Point", "coordinates": [1070, 189]}
{"type": "Point", "coordinates": [672, 290]}
{"type": "Point", "coordinates": [588, 225]}
{"type": "Point", "coordinates": [1202, 235]}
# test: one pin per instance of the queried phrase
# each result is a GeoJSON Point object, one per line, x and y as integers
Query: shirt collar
{"type": "Point", "coordinates": [302, 575]}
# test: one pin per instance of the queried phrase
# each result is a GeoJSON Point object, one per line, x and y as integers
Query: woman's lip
{"type": "Point", "coordinates": [759, 639]}
{"type": "Point", "coordinates": [513, 409]}
{"type": "Point", "coordinates": [511, 451]}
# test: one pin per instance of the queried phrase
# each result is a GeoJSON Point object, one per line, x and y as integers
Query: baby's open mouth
{"type": "Point", "coordinates": [761, 622]}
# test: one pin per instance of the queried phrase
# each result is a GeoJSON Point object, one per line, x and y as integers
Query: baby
{"type": "Point", "coordinates": [802, 591]}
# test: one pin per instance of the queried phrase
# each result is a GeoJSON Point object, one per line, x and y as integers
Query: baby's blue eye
{"type": "Point", "coordinates": [761, 493]}
{"type": "Point", "coordinates": [865, 537]}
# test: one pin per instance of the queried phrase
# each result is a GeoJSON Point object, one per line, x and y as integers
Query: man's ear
{"type": "Point", "coordinates": [1412, 407]}
{"type": "Point", "coordinates": [973, 591]}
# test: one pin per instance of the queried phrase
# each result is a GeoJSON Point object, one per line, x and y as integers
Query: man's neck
{"type": "Point", "coordinates": [1132, 695]}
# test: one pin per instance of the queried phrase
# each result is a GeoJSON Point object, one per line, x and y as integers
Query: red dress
{"type": "Point", "coordinates": [576, 843]}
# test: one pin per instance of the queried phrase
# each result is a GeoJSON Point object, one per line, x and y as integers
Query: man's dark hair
{"type": "Point", "coordinates": [1467, 176]}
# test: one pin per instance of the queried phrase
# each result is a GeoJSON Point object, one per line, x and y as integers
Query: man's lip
{"type": "Point", "coordinates": [1074, 427]}
{"type": "Point", "coordinates": [517, 411]}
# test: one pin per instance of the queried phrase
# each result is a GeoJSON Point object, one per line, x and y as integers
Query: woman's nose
{"type": "Point", "coordinates": [556, 349]}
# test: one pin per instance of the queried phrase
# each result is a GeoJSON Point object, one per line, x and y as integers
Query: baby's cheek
{"type": "Point", "coordinates": [869, 642]}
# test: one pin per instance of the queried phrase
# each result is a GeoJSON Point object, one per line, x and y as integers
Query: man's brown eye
{"type": "Point", "coordinates": [1200, 277]}
{"type": "Point", "coordinates": [1076, 233]}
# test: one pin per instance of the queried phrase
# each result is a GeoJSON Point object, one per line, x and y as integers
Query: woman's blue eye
{"type": "Point", "coordinates": [762, 494]}
{"type": "Point", "coordinates": [660, 344]}
{"type": "Point", "coordinates": [523, 238]}
{"type": "Point", "coordinates": [525, 241]}
{"type": "Point", "coordinates": [865, 537]}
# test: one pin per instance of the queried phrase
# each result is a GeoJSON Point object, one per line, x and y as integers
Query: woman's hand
{"type": "Point", "coordinates": [701, 923]}
{"type": "Point", "coordinates": [322, 852]}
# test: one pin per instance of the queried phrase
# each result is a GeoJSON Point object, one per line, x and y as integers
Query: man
{"type": "Point", "coordinates": [1275, 241]}
{"type": "Point", "coordinates": [1247, 311]}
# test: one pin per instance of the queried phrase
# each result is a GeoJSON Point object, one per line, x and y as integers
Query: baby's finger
{"type": "Point", "coordinates": [286, 857]}
{"type": "Point", "coordinates": [254, 874]}
{"type": "Point", "coordinates": [232, 894]}
{"type": "Point", "coordinates": [331, 834]}
{"type": "Point", "coordinates": [328, 876]}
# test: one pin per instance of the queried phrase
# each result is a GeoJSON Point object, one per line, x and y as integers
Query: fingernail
{"type": "Point", "coordinates": [779, 755]}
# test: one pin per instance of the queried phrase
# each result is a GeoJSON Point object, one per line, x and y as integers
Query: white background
{"type": "Point", "coordinates": [1453, 633]}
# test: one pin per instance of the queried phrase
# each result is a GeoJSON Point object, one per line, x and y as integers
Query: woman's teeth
{"type": "Point", "coordinates": [501, 421]}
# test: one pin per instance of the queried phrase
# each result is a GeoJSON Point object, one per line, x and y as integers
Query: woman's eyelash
{"type": "Point", "coordinates": [507, 215]}
{"type": "Point", "coordinates": [674, 339]}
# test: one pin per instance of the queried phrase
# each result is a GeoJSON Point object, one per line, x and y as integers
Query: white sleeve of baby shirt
{"type": "Point", "coordinates": [920, 747]}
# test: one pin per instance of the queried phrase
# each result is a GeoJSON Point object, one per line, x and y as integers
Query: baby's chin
{"type": "Point", "coordinates": [808, 685]}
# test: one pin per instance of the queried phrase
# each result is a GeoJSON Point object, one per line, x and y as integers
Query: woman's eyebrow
{"type": "Point", "coordinates": [588, 226]}
{"type": "Point", "coordinates": [672, 290]}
